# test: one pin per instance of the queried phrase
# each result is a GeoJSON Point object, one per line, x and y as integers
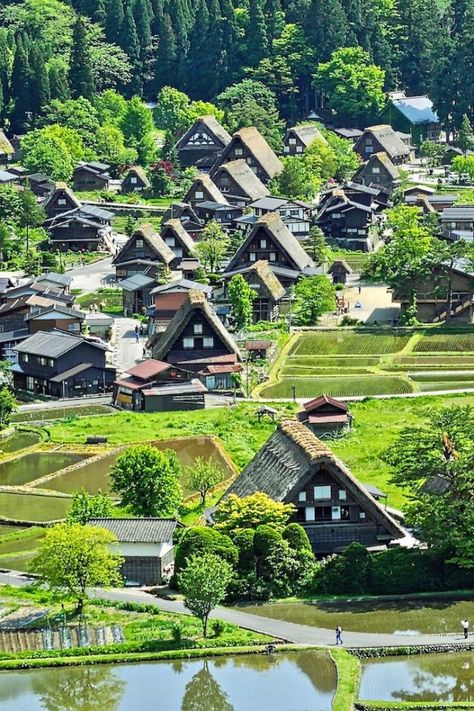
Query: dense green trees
{"type": "Point", "coordinates": [315, 295]}
{"type": "Point", "coordinates": [203, 47]}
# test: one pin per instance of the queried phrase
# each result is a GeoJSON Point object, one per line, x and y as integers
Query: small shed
{"type": "Point", "coordinates": [257, 349]}
{"type": "Point", "coordinates": [176, 396]}
{"type": "Point", "coordinates": [146, 544]}
{"type": "Point", "coordinates": [135, 180]}
{"type": "Point", "coordinates": [339, 271]}
{"type": "Point", "coordinates": [325, 415]}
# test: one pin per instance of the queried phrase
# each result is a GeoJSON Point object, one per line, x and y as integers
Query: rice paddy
{"type": "Point", "coordinates": [366, 363]}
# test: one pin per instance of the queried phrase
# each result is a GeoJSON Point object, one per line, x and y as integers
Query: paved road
{"type": "Point", "coordinates": [88, 278]}
{"type": "Point", "coordinates": [288, 631]}
{"type": "Point", "coordinates": [127, 350]}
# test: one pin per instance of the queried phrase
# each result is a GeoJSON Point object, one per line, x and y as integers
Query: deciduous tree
{"type": "Point", "coordinates": [204, 582]}
{"type": "Point", "coordinates": [213, 246]}
{"type": "Point", "coordinates": [315, 295]}
{"type": "Point", "coordinates": [241, 296]}
{"type": "Point", "coordinates": [203, 475]}
{"type": "Point", "coordinates": [86, 506]}
{"type": "Point", "coordinates": [235, 513]}
{"type": "Point", "coordinates": [148, 481]}
{"type": "Point", "coordinates": [72, 558]}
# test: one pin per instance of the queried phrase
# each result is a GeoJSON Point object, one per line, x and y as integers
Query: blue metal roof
{"type": "Point", "coordinates": [417, 109]}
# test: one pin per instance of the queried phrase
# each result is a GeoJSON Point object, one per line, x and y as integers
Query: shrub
{"type": "Point", "coordinates": [198, 541]}
{"type": "Point", "coordinates": [244, 541]}
{"type": "Point", "coordinates": [297, 537]}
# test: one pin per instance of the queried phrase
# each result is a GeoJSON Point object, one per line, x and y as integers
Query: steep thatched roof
{"type": "Point", "coordinates": [241, 173]}
{"type": "Point", "coordinates": [195, 300]}
{"type": "Point", "coordinates": [269, 279]}
{"type": "Point", "coordinates": [209, 186]}
{"type": "Point", "coordinates": [61, 187]}
{"type": "Point", "coordinates": [149, 235]}
{"type": "Point", "coordinates": [140, 173]}
{"type": "Point", "coordinates": [306, 134]}
{"type": "Point", "coordinates": [212, 125]}
{"type": "Point", "coordinates": [388, 139]}
{"type": "Point", "coordinates": [384, 160]}
{"type": "Point", "coordinates": [279, 233]}
{"type": "Point", "coordinates": [177, 228]}
{"type": "Point", "coordinates": [6, 147]}
{"type": "Point", "coordinates": [287, 459]}
{"type": "Point", "coordinates": [258, 147]}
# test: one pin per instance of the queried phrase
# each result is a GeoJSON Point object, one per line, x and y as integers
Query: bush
{"type": "Point", "coordinates": [297, 537]}
{"type": "Point", "coordinates": [244, 541]}
{"type": "Point", "coordinates": [198, 541]}
{"type": "Point", "coordinates": [218, 627]}
{"type": "Point", "coordinates": [339, 287]}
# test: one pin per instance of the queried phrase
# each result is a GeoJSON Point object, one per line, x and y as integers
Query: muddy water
{"type": "Point", "coordinates": [33, 466]}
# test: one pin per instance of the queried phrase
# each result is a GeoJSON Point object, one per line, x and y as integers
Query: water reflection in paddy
{"type": "Point", "coordinates": [421, 677]}
{"type": "Point", "coordinates": [283, 682]}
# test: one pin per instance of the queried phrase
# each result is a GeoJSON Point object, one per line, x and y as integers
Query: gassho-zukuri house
{"type": "Point", "coordinates": [333, 507]}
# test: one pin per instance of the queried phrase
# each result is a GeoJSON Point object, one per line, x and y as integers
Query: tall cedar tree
{"type": "Point", "coordinates": [166, 55]}
{"type": "Point", "coordinates": [128, 40]}
{"type": "Point", "coordinates": [198, 51]}
{"type": "Point", "coordinates": [20, 85]}
{"type": "Point", "coordinates": [58, 81]}
{"type": "Point", "coordinates": [329, 31]}
{"type": "Point", "coordinates": [40, 92]}
{"type": "Point", "coordinates": [81, 79]}
{"type": "Point", "coordinates": [257, 43]}
{"type": "Point", "coordinates": [114, 21]}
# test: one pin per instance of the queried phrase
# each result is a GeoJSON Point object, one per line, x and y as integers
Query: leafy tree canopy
{"type": "Point", "coordinates": [235, 513]}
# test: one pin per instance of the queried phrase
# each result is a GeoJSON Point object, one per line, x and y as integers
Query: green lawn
{"type": "Point", "coordinates": [343, 342]}
{"type": "Point", "coordinates": [376, 424]}
{"type": "Point", "coordinates": [106, 299]}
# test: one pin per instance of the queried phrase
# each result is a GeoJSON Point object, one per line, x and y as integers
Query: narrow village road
{"type": "Point", "coordinates": [89, 277]}
{"type": "Point", "coordinates": [127, 350]}
{"type": "Point", "coordinates": [287, 631]}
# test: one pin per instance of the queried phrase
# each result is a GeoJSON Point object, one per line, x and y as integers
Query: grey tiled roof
{"type": "Point", "coordinates": [138, 530]}
{"type": "Point", "coordinates": [53, 344]}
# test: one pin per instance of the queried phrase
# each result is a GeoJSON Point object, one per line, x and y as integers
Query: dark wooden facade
{"type": "Point", "coordinates": [49, 365]}
{"type": "Point", "coordinates": [202, 144]}
{"type": "Point", "coordinates": [249, 145]}
{"type": "Point", "coordinates": [61, 200]}
{"type": "Point", "coordinates": [91, 177]}
{"type": "Point", "coordinates": [294, 466]}
{"type": "Point", "coordinates": [325, 416]}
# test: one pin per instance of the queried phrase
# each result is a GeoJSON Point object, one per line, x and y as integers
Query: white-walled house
{"type": "Point", "coordinates": [146, 544]}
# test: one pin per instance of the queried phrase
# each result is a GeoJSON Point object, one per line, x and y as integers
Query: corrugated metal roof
{"type": "Point", "coordinates": [138, 530]}
{"type": "Point", "coordinates": [53, 344]}
{"type": "Point", "coordinates": [135, 282]}
{"type": "Point", "coordinates": [148, 368]}
{"type": "Point", "coordinates": [417, 109]}
{"type": "Point", "coordinates": [193, 386]}
{"type": "Point", "coordinates": [71, 372]}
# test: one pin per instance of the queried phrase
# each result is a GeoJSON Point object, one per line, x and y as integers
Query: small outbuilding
{"type": "Point", "coordinates": [146, 544]}
{"type": "Point", "coordinates": [135, 180]}
{"type": "Point", "coordinates": [325, 415]}
{"type": "Point", "coordinates": [176, 396]}
{"type": "Point", "coordinates": [339, 271]}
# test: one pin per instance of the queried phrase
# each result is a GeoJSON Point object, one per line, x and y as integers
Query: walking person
{"type": "Point", "coordinates": [137, 334]}
{"type": "Point", "coordinates": [360, 288]}
{"type": "Point", "coordinates": [338, 635]}
{"type": "Point", "coordinates": [465, 627]}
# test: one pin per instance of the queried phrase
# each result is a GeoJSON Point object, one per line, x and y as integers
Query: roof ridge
{"type": "Point", "coordinates": [313, 447]}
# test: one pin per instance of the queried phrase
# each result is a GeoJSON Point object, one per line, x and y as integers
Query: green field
{"type": "Point", "coordinates": [364, 363]}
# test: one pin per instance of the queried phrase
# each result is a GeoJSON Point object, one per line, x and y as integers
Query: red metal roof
{"type": "Point", "coordinates": [324, 400]}
{"type": "Point", "coordinates": [148, 369]}
{"type": "Point", "coordinates": [130, 383]}
{"type": "Point", "coordinates": [326, 419]}
{"type": "Point", "coordinates": [220, 369]}
{"type": "Point", "coordinates": [258, 345]}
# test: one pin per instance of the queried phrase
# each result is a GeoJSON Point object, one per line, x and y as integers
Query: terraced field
{"type": "Point", "coordinates": [365, 363]}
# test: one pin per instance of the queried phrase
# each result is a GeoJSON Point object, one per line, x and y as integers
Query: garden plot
{"type": "Point", "coordinates": [340, 342]}
{"type": "Point", "coordinates": [338, 386]}
{"type": "Point", "coordinates": [462, 342]}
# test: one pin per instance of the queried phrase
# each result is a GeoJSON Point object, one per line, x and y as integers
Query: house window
{"type": "Point", "coordinates": [323, 513]}
{"type": "Point", "coordinates": [170, 241]}
{"type": "Point", "coordinates": [42, 360]}
{"type": "Point", "coordinates": [73, 327]}
{"type": "Point", "coordinates": [362, 515]}
{"type": "Point", "coordinates": [133, 181]}
{"type": "Point", "coordinates": [292, 141]}
{"type": "Point", "coordinates": [286, 149]}
{"type": "Point", "coordinates": [336, 215]}
{"type": "Point", "coordinates": [263, 244]}
{"type": "Point", "coordinates": [139, 244]}
{"type": "Point", "coordinates": [302, 496]}
{"type": "Point", "coordinates": [30, 383]}
{"type": "Point", "coordinates": [238, 152]}
{"type": "Point", "coordinates": [188, 342]}
{"type": "Point", "coordinates": [336, 513]}
{"type": "Point", "coordinates": [342, 495]}
{"type": "Point", "coordinates": [376, 170]}
{"type": "Point", "coordinates": [25, 358]}
{"type": "Point", "coordinates": [322, 492]}
{"type": "Point", "coordinates": [61, 201]}
{"type": "Point", "coordinates": [51, 363]}
{"type": "Point", "coordinates": [309, 513]}
{"type": "Point", "coordinates": [199, 195]}
{"type": "Point", "coordinates": [197, 329]}
{"type": "Point", "coordinates": [273, 256]}
{"type": "Point", "coordinates": [299, 149]}
{"type": "Point", "coordinates": [253, 257]}
{"type": "Point", "coordinates": [208, 342]}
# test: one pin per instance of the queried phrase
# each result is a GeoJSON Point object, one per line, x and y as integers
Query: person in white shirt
{"type": "Point", "coordinates": [465, 626]}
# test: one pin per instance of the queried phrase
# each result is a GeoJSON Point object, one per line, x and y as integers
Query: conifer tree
{"type": "Point", "coordinates": [58, 81]}
{"type": "Point", "coordinates": [39, 91]}
{"type": "Point", "coordinates": [166, 55]}
{"type": "Point", "coordinates": [114, 21]}
{"type": "Point", "coordinates": [326, 27]}
{"type": "Point", "coordinates": [81, 79]}
{"type": "Point", "coordinates": [257, 44]}
{"type": "Point", "coordinates": [20, 85]}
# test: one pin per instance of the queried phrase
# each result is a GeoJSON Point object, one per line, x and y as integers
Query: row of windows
{"type": "Point", "coordinates": [272, 257]}
{"type": "Point", "coordinates": [207, 342]}
{"type": "Point", "coordinates": [41, 360]}
{"type": "Point", "coordinates": [326, 513]}
{"type": "Point", "coordinates": [323, 492]}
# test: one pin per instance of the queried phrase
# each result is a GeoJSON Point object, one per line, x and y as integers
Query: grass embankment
{"type": "Point", "coordinates": [59, 413]}
{"type": "Point", "coordinates": [149, 633]}
{"type": "Point", "coordinates": [348, 675]}
{"type": "Point", "coordinates": [106, 299]}
{"type": "Point", "coordinates": [120, 222]}
{"type": "Point", "coordinates": [365, 362]}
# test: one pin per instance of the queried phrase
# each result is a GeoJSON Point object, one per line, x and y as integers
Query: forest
{"type": "Point", "coordinates": [297, 52]}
